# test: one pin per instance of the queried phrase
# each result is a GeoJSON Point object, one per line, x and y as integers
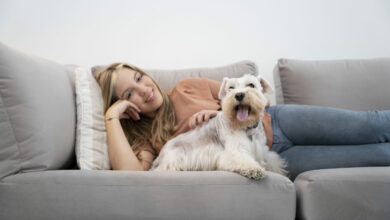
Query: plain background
{"type": "Point", "coordinates": [174, 34]}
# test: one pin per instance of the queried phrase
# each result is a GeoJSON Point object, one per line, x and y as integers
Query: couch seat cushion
{"type": "Point", "coordinates": [348, 193]}
{"type": "Point", "coordinates": [145, 195]}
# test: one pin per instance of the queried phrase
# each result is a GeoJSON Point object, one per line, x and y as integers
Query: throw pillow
{"type": "Point", "coordinates": [91, 138]}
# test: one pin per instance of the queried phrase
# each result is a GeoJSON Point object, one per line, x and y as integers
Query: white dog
{"type": "Point", "coordinates": [233, 141]}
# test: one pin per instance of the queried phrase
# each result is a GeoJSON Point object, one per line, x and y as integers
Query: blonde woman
{"type": "Point", "coordinates": [141, 118]}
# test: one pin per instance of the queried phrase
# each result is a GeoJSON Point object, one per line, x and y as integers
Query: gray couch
{"type": "Point", "coordinates": [39, 178]}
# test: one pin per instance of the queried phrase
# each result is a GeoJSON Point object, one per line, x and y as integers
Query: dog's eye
{"type": "Point", "coordinates": [251, 85]}
{"type": "Point", "coordinates": [231, 87]}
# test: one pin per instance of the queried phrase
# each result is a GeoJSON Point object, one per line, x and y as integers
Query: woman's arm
{"type": "Point", "coordinates": [121, 155]}
{"type": "Point", "coordinates": [146, 159]}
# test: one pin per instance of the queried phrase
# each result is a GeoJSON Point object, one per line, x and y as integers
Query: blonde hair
{"type": "Point", "coordinates": [139, 132]}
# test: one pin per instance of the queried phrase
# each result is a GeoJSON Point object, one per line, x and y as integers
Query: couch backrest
{"type": "Point", "coordinates": [351, 84]}
{"type": "Point", "coordinates": [168, 78]}
{"type": "Point", "coordinates": [37, 113]}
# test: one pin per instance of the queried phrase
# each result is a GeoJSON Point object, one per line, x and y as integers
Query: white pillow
{"type": "Point", "coordinates": [91, 136]}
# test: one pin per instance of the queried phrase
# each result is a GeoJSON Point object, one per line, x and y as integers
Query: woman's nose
{"type": "Point", "coordinates": [142, 90]}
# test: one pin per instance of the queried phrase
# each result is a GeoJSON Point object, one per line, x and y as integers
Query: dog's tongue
{"type": "Point", "coordinates": [242, 113]}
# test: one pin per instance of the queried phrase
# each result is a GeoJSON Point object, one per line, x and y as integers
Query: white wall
{"type": "Point", "coordinates": [182, 34]}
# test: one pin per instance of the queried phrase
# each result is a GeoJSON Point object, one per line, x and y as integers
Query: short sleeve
{"type": "Point", "coordinates": [214, 87]}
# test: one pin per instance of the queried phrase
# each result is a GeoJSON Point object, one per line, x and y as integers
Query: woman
{"type": "Point", "coordinates": [140, 118]}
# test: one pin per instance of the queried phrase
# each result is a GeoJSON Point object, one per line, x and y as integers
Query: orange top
{"type": "Point", "coordinates": [190, 96]}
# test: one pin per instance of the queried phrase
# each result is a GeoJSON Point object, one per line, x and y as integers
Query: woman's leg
{"type": "Point", "coordinates": [314, 125]}
{"type": "Point", "coordinates": [311, 137]}
{"type": "Point", "coordinates": [305, 158]}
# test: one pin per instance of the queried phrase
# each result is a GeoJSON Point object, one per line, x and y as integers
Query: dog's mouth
{"type": "Point", "coordinates": [243, 112]}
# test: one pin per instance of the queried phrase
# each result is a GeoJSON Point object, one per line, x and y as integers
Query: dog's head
{"type": "Point", "coordinates": [243, 99]}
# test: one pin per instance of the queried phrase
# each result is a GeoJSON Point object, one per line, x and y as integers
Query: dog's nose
{"type": "Point", "coordinates": [240, 96]}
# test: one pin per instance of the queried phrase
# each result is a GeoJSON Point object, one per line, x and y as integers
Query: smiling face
{"type": "Point", "coordinates": [139, 89]}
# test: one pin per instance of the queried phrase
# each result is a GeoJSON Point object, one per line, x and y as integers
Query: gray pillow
{"type": "Point", "coordinates": [168, 78]}
{"type": "Point", "coordinates": [37, 113]}
{"type": "Point", "coordinates": [351, 84]}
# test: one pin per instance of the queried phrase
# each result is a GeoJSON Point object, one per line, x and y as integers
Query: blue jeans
{"type": "Point", "coordinates": [313, 137]}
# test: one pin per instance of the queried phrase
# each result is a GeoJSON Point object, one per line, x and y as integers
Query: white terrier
{"type": "Point", "coordinates": [234, 140]}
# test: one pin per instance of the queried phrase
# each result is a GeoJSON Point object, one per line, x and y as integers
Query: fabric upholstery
{"type": "Point", "coordinates": [36, 96]}
{"type": "Point", "coordinates": [91, 137]}
{"type": "Point", "coordinates": [349, 193]}
{"type": "Point", "coordinates": [351, 84]}
{"type": "Point", "coordinates": [145, 195]}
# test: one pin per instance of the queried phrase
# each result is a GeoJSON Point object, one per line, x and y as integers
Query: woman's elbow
{"type": "Point", "coordinates": [130, 169]}
{"type": "Point", "coordinates": [136, 167]}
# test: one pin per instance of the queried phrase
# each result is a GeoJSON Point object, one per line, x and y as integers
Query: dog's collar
{"type": "Point", "coordinates": [250, 131]}
{"type": "Point", "coordinates": [254, 126]}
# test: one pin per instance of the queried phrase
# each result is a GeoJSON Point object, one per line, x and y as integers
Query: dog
{"type": "Point", "coordinates": [234, 140]}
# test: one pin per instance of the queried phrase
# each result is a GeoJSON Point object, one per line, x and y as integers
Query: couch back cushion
{"type": "Point", "coordinates": [37, 113]}
{"type": "Point", "coordinates": [166, 79]}
{"type": "Point", "coordinates": [351, 84]}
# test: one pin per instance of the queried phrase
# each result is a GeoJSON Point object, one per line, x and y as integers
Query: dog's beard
{"type": "Point", "coordinates": [246, 113]}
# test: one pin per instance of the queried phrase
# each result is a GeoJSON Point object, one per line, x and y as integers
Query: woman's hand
{"type": "Point", "coordinates": [200, 117]}
{"type": "Point", "coordinates": [123, 109]}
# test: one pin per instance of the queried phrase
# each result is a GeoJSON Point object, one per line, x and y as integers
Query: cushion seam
{"type": "Point", "coordinates": [12, 130]}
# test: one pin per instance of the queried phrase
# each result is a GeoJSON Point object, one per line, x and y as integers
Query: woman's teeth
{"type": "Point", "coordinates": [151, 95]}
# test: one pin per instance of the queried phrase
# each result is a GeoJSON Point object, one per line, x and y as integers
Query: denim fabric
{"type": "Point", "coordinates": [313, 137]}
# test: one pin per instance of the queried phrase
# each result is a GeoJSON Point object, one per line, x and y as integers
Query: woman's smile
{"type": "Point", "coordinates": [150, 97]}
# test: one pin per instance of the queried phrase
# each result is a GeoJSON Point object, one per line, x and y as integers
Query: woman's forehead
{"type": "Point", "coordinates": [124, 78]}
{"type": "Point", "coordinates": [126, 72]}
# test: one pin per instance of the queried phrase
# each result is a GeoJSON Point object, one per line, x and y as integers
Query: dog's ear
{"type": "Point", "coordinates": [222, 90]}
{"type": "Point", "coordinates": [267, 89]}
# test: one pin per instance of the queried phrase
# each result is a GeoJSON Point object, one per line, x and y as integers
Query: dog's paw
{"type": "Point", "coordinates": [253, 173]}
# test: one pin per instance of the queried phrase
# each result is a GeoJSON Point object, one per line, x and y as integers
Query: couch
{"type": "Point", "coordinates": [40, 178]}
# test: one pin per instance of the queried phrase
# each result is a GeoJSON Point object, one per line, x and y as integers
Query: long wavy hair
{"type": "Point", "coordinates": [152, 131]}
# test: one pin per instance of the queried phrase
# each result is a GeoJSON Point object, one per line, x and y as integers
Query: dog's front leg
{"type": "Point", "coordinates": [237, 158]}
{"type": "Point", "coordinates": [268, 159]}
{"type": "Point", "coordinates": [240, 163]}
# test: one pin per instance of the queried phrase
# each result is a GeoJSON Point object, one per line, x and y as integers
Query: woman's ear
{"type": "Point", "coordinates": [267, 89]}
{"type": "Point", "coordinates": [222, 90]}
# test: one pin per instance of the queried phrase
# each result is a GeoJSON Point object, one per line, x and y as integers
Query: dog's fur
{"type": "Point", "coordinates": [233, 141]}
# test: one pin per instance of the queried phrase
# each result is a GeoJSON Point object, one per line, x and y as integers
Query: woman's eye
{"type": "Point", "coordinates": [128, 96]}
{"type": "Point", "coordinates": [139, 78]}
{"type": "Point", "coordinates": [251, 85]}
{"type": "Point", "coordinates": [231, 87]}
